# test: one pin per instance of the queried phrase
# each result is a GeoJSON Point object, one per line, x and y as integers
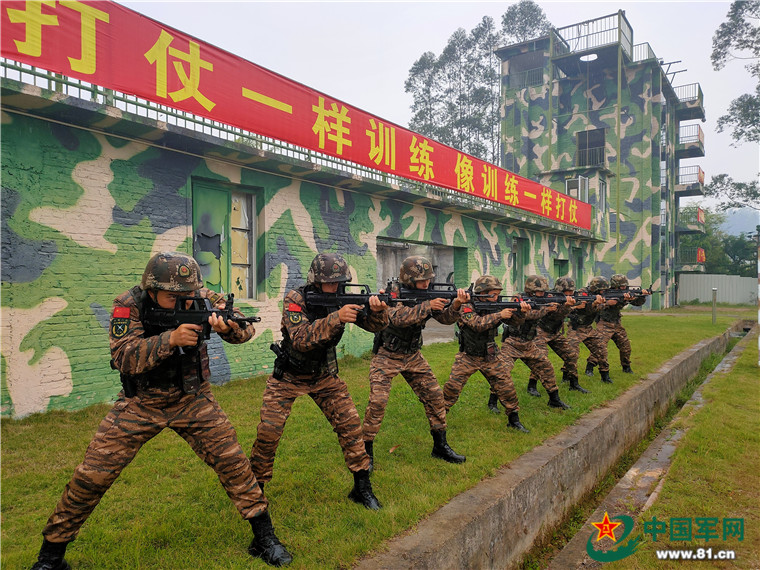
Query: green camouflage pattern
{"type": "Point", "coordinates": [564, 284]}
{"type": "Point", "coordinates": [172, 271]}
{"type": "Point", "coordinates": [598, 284]}
{"type": "Point", "coordinates": [535, 284]}
{"type": "Point", "coordinates": [634, 187]}
{"type": "Point", "coordinates": [618, 280]}
{"type": "Point", "coordinates": [487, 283]}
{"type": "Point", "coordinates": [415, 268]}
{"type": "Point", "coordinates": [85, 207]}
{"type": "Point", "coordinates": [328, 268]}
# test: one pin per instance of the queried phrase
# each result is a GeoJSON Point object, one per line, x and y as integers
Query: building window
{"type": "Point", "coordinates": [602, 198]}
{"type": "Point", "coordinates": [590, 148]}
{"type": "Point", "coordinates": [577, 188]}
{"type": "Point", "coordinates": [224, 237]}
{"type": "Point", "coordinates": [561, 268]}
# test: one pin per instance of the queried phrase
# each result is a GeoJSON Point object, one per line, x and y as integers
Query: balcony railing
{"type": "Point", "coordinates": [690, 134]}
{"type": "Point", "coordinates": [529, 78]}
{"type": "Point", "coordinates": [691, 175]}
{"type": "Point", "coordinates": [643, 52]}
{"type": "Point", "coordinates": [590, 156]}
{"type": "Point", "coordinates": [593, 34]}
{"type": "Point", "coordinates": [687, 256]}
{"type": "Point", "coordinates": [690, 92]}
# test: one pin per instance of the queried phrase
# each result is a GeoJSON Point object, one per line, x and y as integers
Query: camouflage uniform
{"type": "Point", "coordinates": [397, 351]}
{"type": "Point", "coordinates": [581, 331]}
{"type": "Point", "coordinates": [609, 327]}
{"type": "Point", "coordinates": [159, 372]}
{"type": "Point", "coordinates": [520, 343]}
{"type": "Point", "coordinates": [481, 354]}
{"type": "Point", "coordinates": [551, 330]}
{"type": "Point", "coordinates": [311, 333]}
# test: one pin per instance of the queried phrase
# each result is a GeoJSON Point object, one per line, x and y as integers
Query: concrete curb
{"type": "Point", "coordinates": [496, 522]}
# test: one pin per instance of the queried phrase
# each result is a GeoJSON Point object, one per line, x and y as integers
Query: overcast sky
{"type": "Point", "coordinates": [361, 52]}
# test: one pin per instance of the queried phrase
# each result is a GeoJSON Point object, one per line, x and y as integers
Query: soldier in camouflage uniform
{"type": "Point", "coordinates": [165, 380]}
{"type": "Point", "coordinates": [520, 341]}
{"type": "Point", "coordinates": [478, 351]}
{"type": "Point", "coordinates": [609, 327]}
{"type": "Point", "coordinates": [581, 330]}
{"type": "Point", "coordinates": [551, 334]}
{"type": "Point", "coordinates": [307, 364]}
{"type": "Point", "coordinates": [397, 351]}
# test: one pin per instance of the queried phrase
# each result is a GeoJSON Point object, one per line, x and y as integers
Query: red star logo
{"type": "Point", "coordinates": [606, 528]}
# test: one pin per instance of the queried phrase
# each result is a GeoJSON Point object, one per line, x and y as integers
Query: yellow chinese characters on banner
{"type": "Point", "coordinates": [464, 173]}
{"type": "Point", "coordinates": [382, 144]}
{"type": "Point", "coordinates": [421, 162]}
{"type": "Point", "coordinates": [332, 123]}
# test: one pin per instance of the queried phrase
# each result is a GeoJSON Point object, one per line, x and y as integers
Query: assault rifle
{"type": "Point", "coordinates": [635, 292]}
{"type": "Point", "coordinates": [481, 305]}
{"type": "Point", "coordinates": [198, 314]}
{"type": "Point", "coordinates": [411, 297]}
{"type": "Point", "coordinates": [345, 297]}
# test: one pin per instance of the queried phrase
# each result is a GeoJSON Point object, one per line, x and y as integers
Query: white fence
{"type": "Point", "coordinates": [731, 289]}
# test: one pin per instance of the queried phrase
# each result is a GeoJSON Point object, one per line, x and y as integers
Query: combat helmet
{"type": "Point", "coordinates": [486, 283]}
{"type": "Point", "coordinates": [535, 284]}
{"type": "Point", "coordinates": [598, 284]}
{"type": "Point", "coordinates": [328, 268]}
{"type": "Point", "coordinates": [415, 268]}
{"type": "Point", "coordinates": [563, 284]}
{"type": "Point", "coordinates": [618, 280]}
{"type": "Point", "coordinates": [172, 271]}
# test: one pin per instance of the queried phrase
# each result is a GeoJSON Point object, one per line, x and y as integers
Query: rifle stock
{"type": "Point", "coordinates": [344, 297]}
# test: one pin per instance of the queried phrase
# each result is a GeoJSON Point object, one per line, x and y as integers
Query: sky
{"type": "Point", "coordinates": [361, 52]}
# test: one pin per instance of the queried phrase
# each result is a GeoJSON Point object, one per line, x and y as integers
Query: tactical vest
{"type": "Point", "coordinates": [318, 360]}
{"type": "Point", "coordinates": [404, 340]}
{"type": "Point", "coordinates": [582, 318]}
{"type": "Point", "coordinates": [477, 343]}
{"type": "Point", "coordinates": [178, 370]}
{"type": "Point", "coordinates": [524, 332]}
{"type": "Point", "coordinates": [611, 314]}
{"type": "Point", "coordinates": [552, 323]}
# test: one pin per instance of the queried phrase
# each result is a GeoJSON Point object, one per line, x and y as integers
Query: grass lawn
{"type": "Point", "coordinates": [715, 473]}
{"type": "Point", "coordinates": [167, 510]}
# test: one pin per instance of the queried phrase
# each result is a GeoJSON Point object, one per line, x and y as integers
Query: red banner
{"type": "Point", "coordinates": [700, 215]}
{"type": "Point", "coordinates": [109, 45]}
{"type": "Point", "coordinates": [701, 257]}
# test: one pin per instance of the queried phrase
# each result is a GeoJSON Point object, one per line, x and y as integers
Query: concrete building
{"type": "Point", "coordinates": [588, 110]}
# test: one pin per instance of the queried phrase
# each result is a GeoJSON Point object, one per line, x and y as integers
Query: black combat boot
{"type": "Point", "coordinates": [589, 369]}
{"type": "Point", "coordinates": [564, 376]}
{"type": "Point", "coordinates": [627, 370]}
{"type": "Point", "coordinates": [606, 376]}
{"type": "Point", "coordinates": [368, 447]}
{"type": "Point", "coordinates": [493, 403]}
{"type": "Point", "coordinates": [514, 422]}
{"type": "Point", "coordinates": [555, 402]}
{"type": "Point", "coordinates": [265, 544]}
{"type": "Point", "coordinates": [532, 383]}
{"type": "Point", "coordinates": [51, 556]}
{"type": "Point", "coordinates": [441, 448]}
{"type": "Point", "coordinates": [574, 385]}
{"type": "Point", "coordinates": [362, 491]}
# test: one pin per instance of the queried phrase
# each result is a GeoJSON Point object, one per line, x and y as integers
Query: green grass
{"type": "Point", "coordinates": [714, 472]}
{"type": "Point", "coordinates": [167, 510]}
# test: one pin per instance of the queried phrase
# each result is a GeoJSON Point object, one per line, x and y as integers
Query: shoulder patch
{"type": "Point", "coordinates": [467, 310]}
{"type": "Point", "coordinates": [119, 327]}
{"type": "Point", "coordinates": [294, 308]}
{"type": "Point", "coordinates": [121, 312]}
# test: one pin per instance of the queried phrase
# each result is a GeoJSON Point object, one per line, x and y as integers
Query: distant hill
{"type": "Point", "coordinates": [741, 220]}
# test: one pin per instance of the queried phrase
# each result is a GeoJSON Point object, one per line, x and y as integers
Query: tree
{"type": "Point", "coordinates": [733, 194]}
{"type": "Point", "coordinates": [524, 21]}
{"type": "Point", "coordinates": [739, 38]}
{"type": "Point", "coordinates": [455, 96]}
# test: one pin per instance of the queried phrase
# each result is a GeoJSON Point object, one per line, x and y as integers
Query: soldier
{"type": "Point", "coordinates": [609, 327]}
{"type": "Point", "coordinates": [307, 364]}
{"type": "Point", "coordinates": [478, 351]}
{"type": "Point", "coordinates": [551, 333]}
{"type": "Point", "coordinates": [165, 381]}
{"type": "Point", "coordinates": [581, 331]}
{"type": "Point", "coordinates": [520, 341]}
{"type": "Point", "coordinates": [397, 351]}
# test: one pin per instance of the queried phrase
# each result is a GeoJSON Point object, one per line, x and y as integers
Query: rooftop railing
{"type": "Point", "coordinates": [592, 34]}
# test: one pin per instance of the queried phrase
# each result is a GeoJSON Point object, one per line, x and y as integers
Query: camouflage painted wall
{"type": "Point", "coordinates": [540, 128]}
{"type": "Point", "coordinates": [83, 212]}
